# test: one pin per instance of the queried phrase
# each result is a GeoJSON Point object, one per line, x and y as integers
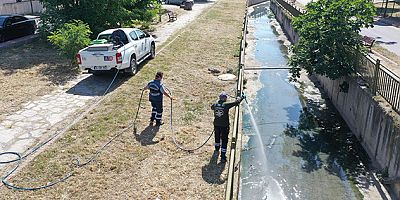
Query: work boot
{"type": "Point", "coordinates": [216, 148]}
{"type": "Point", "coordinates": [159, 123]}
{"type": "Point", "coordinates": [223, 157]}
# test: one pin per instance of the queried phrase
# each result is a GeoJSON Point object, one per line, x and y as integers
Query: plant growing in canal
{"type": "Point", "coordinates": [329, 42]}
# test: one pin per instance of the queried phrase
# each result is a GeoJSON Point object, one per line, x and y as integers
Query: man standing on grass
{"type": "Point", "coordinates": [221, 122]}
{"type": "Point", "coordinates": [157, 90]}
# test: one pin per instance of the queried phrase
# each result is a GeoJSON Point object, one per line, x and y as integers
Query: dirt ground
{"type": "Point", "coordinates": [146, 164]}
{"type": "Point", "coordinates": [30, 71]}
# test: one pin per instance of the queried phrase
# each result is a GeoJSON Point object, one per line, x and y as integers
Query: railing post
{"type": "Point", "coordinates": [376, 77]}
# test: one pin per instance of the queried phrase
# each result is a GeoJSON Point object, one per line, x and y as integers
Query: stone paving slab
{"type": "Point", "coordinates": [20, 130]}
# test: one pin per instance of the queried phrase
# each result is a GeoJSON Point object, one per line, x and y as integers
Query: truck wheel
{"type": "Point", "coordinates": [132, 67]}
{"type": "Point", "coordinates": [153, 51]}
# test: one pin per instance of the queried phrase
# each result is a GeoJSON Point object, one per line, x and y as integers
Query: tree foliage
{"type": "Point", "coordinates": [329, 42]}
{"type": "Point", "coordinates": [70, 38]}
{"type": "Point", "coordinates": [98, 14]}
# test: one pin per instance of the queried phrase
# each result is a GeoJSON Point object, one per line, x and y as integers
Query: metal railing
{"type": "Point", "coordinates": [381, 80]}
{"type": "Point", "coordinates": [388, 86]}
{"type": "Point", "coordinates": [232, 185]}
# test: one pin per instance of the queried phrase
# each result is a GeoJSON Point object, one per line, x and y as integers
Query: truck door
{"type": "Point", "coordinates": [142, 39]}
{"type": "Point", "coordinates": [136, 44]}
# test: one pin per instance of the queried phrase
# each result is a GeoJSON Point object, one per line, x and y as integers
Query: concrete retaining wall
{"type": "Point", "coordinates": [285, 22]}
{"type": "Point", "coordinates": [254, 2]}
{"type": "Point", "coordinates": [23, 7]}
{"type": "Point", "coordinates": [374, 127]}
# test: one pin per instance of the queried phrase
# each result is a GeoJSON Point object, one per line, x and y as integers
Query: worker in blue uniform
{"type": "Point", "coordinates": [221, 122]}
{"type": "Point", "coordinates": [157, 91]}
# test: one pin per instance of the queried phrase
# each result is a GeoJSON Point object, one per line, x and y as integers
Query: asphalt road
{"type": "Point", "coordinates": [387, 36]}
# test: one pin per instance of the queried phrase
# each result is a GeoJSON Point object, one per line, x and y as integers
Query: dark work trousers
{"type": "Point", "coordinates": [156, 112]}
{"type": "Point", "coordinates": [221, 135]}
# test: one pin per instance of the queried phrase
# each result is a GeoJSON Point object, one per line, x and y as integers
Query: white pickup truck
{"type": "Point", "coordinates": [124, 50]}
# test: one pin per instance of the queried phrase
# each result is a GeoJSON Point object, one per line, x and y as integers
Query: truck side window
{"type": "Point", "coordinates": [18, 19]}
{"type": "Point", "coordinates": [133, 35]}
{"type": "Point", "coordinates": [140, 34]}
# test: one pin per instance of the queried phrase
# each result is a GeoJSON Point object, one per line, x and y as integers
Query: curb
{"type": "Point", "coordinates": [19, 41]}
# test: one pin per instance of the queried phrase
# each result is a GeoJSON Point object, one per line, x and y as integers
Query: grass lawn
{"type": "Point", "coordinates": [146, 164]}
{"type": "Point", "coordinates": [30, 71]}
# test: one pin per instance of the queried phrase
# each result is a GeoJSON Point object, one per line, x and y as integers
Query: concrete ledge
{"type": "Point", "coordinates": [19, 41]}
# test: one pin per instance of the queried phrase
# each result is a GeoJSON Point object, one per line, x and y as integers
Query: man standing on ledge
{"type": "Point", "coordinates": [221, 122]}
{"type": "Point", "coordinates": [157, 90]}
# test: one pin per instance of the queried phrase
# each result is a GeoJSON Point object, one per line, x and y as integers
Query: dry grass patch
{"type": "Point", "coordinates": [146, 164]}
{"type": "Point", "coordinates": [30, 71]}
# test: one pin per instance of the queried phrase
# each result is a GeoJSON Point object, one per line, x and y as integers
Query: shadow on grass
{"type": "Point", "coordinates": [97, 85]}
{"type": "Point", "coordinates": [41, 55]}
{"type": "Point", "coordinates": [147, 135]}
{"type": "Point", "coordinates": [211, 172]}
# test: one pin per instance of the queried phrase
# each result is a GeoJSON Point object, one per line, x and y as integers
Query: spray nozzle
{"type": "Point", "coordinates": [244, 97]}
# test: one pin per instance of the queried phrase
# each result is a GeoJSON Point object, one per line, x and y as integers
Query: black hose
{"type": "Point", "coordinates": [137, 112]}
{"type": "Point", "coordinates": [95, 155]}
{"type": "Point", "coordinates": [20, 158]}
{"type": "Point", "coordinates": [174, 133]}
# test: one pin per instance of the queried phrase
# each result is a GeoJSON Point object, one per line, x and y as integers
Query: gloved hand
{"type": "Point", "coordinates": [243, 95]}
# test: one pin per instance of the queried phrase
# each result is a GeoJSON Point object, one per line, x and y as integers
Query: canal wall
{"type": "Point", "coordinates": [284, 18]}
{"type": "Point", "coordinates": [368, 120]}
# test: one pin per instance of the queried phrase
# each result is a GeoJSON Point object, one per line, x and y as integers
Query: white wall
{"type": "Point", "coordinates": [7, 1]}
{"type": "Point", "coordinates": [24, 7]}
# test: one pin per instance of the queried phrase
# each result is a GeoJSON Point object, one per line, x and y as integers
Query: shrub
{"type": "Point", "coordinates": [330, 42]}
{"type": "Point", "coordinates": [98, 14]}
{"type": "Point", "coordinates": [70, 38]}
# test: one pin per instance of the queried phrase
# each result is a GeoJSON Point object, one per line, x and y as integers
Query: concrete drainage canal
{"type": "Point", "coordinates": [296, 145]}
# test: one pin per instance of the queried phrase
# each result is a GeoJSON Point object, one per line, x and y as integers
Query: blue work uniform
{"type": "Point", "coordinates": [156, 98]}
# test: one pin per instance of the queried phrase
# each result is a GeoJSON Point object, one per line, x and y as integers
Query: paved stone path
{"type": "Point", "coordinates": [182, 20]}
{"type": "Point", "coordinates": [22, 129]}
{"type": "Point", "coordinates": [19, 130]}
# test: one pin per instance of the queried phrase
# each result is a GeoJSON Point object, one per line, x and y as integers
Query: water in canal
{"type": "Point", "coordinates": [304, 149]}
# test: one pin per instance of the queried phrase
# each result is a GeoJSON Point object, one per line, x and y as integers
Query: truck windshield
{"type": "Point", "coordinates": [105, 37]}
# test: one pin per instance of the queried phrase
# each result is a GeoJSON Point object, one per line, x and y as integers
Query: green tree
{"type": "Point", "coordinates": [329, 42]}
{"type": "Point", "coordinates": [70, 38]}
{"type": "Point", "coordinates": [98, 14]}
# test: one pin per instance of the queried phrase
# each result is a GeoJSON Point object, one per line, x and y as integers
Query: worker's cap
{"type": "Point", "coordinates": [159, 74]}
{"type": "Point", "coordinates": [223, 95]}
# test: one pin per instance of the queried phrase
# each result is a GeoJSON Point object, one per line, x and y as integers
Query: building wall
{"type": "Point", "coordinates": [24, 7]}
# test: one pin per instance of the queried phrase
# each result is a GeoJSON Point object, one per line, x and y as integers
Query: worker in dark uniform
{"type": "Point", "coordinates": [221, 122]}
{"type": "Point", "coordinates": [157, 90]}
